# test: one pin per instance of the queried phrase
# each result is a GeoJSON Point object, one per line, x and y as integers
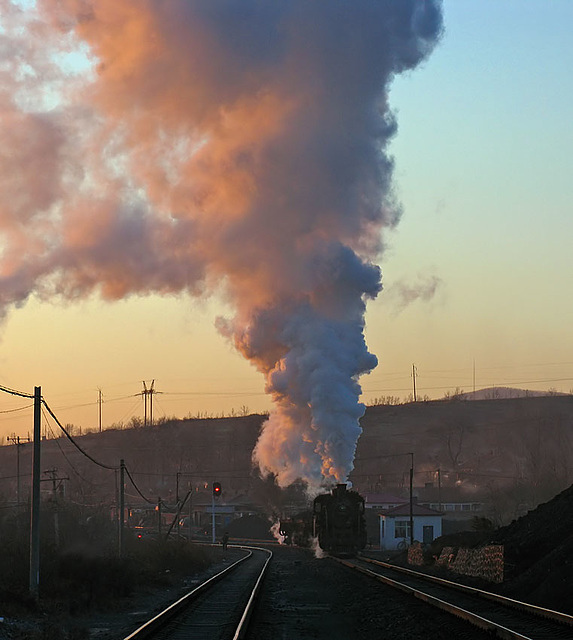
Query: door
{"type": "Point", "coordinates": [428, 533]}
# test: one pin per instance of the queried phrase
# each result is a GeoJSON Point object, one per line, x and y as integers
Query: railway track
{"type": "Point", "coordinates": [217, 609]}
{"type": "Point", "coordinates": [502, 617]}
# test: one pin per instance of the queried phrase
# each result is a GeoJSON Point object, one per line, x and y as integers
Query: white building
{"type": "Point", "coordinates": [395, 526]}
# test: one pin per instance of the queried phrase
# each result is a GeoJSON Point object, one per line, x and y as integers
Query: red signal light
{"type": "Point", "coordinates": [216, 489]}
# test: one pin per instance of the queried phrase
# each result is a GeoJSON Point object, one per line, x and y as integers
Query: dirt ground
{"type": "Point", "coordinates": [305, 597]}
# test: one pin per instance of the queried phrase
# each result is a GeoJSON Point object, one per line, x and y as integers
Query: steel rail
{"type": "Point", "coordinates": [151, 626]}
{"type": "Point", "coordinates": [464, 614]}
{"type": "Point", "coordinates": [159, 621]}
{"type": "Point", "coordinates": [550, 614]}
{"type": "Point", "coordinates": [474, 618]}
{"type": "Point", "coordinates": [245, 618]}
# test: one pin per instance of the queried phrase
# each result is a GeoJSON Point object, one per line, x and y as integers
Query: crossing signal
{"type": "Point", "coordinates": [216, 489]}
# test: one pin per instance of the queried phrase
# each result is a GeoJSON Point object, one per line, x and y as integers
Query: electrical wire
{"type": "Point", "coordinates": [19, 409]}
{"type": "Point", "coordinates": [80, 449]}
{"type": "Point", "coordinates": [137, 488]}
{"type": "Point", "coordinates": [85, 453]}
{"type": "Point", "coordinates": [56, 440]}
{"type": "Point", "coordinates": [16, 393]}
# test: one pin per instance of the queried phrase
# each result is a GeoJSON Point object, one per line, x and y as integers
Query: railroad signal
{"type": "Point", "coordinates": [216, 489]}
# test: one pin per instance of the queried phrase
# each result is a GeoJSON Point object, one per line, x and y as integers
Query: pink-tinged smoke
{"type": "Point", "coordinates": [235, 146]}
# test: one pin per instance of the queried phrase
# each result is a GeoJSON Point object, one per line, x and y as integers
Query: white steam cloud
{"type": "Point", "coordinates": [192, 145]}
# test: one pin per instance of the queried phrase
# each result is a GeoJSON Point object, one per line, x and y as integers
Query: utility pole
{"type": "Point", "coordinates": [34, 581]}
{"type": "Point", "coordinates": [99, 403]}
{"type": "Point", "coordinates": [397, 455]}
{"type": "Point", "coordinates": [121, 505]}
{"type": "Point", "coordinates": [56, 484]}
{"type": "Point", "coordinates": [411, 499]}
{"type": "Point", "coordinates": [159, 516]}
{"type": "Point", "coordinates": [414, 375]}
{"type": "Point", "coordinates": [16, 440]}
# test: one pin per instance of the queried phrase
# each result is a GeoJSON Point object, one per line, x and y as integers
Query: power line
{"type": "Point", "coordinates": [18, 409]}
{"type": "Point", "coordinates": [137, 488]}
{"type": "Point", "coordinates": [16, 393]}
{"type": "Point", "coordinates": [85, 453]}
{"type": "Point", "coordinates": [78, 474]}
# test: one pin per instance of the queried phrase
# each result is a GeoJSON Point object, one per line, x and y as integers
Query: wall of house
{"type": "Point", "coordinates": [390, 526]}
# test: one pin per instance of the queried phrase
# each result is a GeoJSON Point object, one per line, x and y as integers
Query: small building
{"type": "Point", "coordinates": [459, 505]}
{"type": "Point", "coordinates": [395, 526]}
{"type": "Point", "coordinates": [383, 501]}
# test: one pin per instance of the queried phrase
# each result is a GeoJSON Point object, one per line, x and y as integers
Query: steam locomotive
{"type": "Point", "coordinates": [339, 522]}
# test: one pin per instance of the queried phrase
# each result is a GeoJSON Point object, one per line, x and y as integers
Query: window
{"type": "Point", "coordinates": [402, 529]}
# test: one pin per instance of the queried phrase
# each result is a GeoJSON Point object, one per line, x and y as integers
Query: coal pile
{"type": "Point", "coordinates": [539, 554]}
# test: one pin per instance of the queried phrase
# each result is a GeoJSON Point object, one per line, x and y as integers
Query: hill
{"type": "Point", "coordinates": [498, 393]}
{"type": "Point", "coordinates": [515, 452]}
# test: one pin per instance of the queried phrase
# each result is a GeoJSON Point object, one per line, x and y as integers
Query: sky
{"type": "Point", "coordinates": [476, 275]}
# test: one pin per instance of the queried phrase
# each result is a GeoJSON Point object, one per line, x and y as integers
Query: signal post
{"type": "Point", "coordinates": [215, 494]}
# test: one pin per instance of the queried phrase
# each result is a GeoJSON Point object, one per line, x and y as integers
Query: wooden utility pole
{"type": "Point", "coordinates": [99, 402]}
{"type": "Point", "coordinates": [411, 499]}
{"type": "Point", "coordinates": [121, 506]}
{"type": "Point", "coordinates": [35, 508]}
{"type": "Point", "coordinates": [159, 509]}
{"type": "Point", "coordinates": [16, 440]}
{"type": "Point", "coordinates": [414, 374]}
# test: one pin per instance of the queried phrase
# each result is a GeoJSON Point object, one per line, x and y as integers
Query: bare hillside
{"type": "Point", "coordinates": [516, 453]}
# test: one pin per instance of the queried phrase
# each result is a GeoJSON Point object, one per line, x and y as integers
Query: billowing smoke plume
{"type": "Point", "coordinates": [237, 146]}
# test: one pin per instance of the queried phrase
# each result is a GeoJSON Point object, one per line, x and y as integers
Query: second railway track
{"type": "Point", "coordinates": [503, 617]}
{"type": "Point", "coordinates": [218, 609]}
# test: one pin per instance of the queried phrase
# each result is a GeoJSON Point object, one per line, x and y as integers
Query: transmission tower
{"type": "Point", "coordinates": [148, 393]}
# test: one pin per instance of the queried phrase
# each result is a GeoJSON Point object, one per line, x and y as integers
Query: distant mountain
{"type": "Point", "coordinates": [504, 393]}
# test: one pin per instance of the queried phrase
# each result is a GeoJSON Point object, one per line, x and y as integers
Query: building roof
{"type": "Point", "coordinates": [384, 498]}
{"type": "Point", "coordinates": [404, 510]}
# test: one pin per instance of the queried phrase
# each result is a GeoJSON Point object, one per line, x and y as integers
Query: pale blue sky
{"type": "Point", "coordinates": [483, 171]}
